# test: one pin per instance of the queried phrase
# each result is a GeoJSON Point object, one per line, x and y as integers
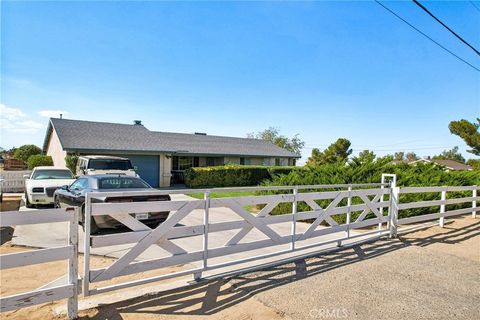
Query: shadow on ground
{"type": "Point", "coordinates": [212, 297]}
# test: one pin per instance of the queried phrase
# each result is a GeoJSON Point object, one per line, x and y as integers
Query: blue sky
{"type": "Point", "coordinates": [321, 69]}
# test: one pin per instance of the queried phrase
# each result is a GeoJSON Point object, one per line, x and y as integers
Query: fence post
{"type": "Point", "coordinates": [206, 197]}
{"type": "Point", "coordinates": [294, 218]}
{"type": "Point", "coordinates": [72, 304]}
{"type": "Point", "coordinates": [86, 244]}
{"type": "Point", "coordinates": [349, 210]}
{"type": "Point", "coordinates": [442, 207]}
{"type": "Point", "coordinates": [393, 184]}
{"type": "Point", "coordinates": [393, 211]}
{"type": "Point", "coordinates": [474, 202]}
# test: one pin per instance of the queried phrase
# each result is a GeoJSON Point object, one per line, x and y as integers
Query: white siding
{"type": "Point", "coordinates": [55, 150]}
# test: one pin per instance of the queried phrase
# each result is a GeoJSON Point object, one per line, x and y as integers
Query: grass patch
{"type": "Point", "coordinates": [199, 195]}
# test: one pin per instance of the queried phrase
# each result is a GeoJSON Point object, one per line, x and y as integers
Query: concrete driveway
{"type": "Point", "coordinates": [55, 234]}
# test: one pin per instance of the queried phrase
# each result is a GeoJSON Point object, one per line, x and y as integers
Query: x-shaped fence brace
{"type": "Point", "coordinates": [156, 236]}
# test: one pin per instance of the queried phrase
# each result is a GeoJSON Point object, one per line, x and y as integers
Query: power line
{"type": "Point", "coordinates": [474, 5]}
{"type": "Point", "coordinates": [426, 36]}
{"type": "Point", "coordinates": [445, 26]}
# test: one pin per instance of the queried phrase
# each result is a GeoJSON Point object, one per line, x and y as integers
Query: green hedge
{"type": "Point", "coordinates": [38, 160]}
{"type": "Point", "coordinates": [232, 175]}
{"type": "Point", "coordinates": [407, 175]}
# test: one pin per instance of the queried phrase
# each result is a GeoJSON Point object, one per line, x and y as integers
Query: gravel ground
{"type": "Point", "coordinates": [431, 274]}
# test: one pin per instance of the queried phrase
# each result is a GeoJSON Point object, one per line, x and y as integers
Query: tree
{"type": "Point", "coordinates": [273, 135]}
{"type": "Point", "coordinates": [411, 156]}
{"type": "Point", "coordinates": [38, 160]}
{"type": "Point", "coordinates": [474, 163]}
{"type": "Point", "coordinates": [399, 156]}
{"type": "Point", "coordinates": [7, 154]}
{"type": "Point", "coordinates": [365, 156]}
{"type": "Point", "coordinates": [26, 151]}
{"type": "Point", "coordinates": [468, 131]}
{"type": "Point", "coordinates": [337, 152]}
{"type": "Point", "coordinates": [451, 154]}
{"type": "Point", "coordinates": [71, 162]}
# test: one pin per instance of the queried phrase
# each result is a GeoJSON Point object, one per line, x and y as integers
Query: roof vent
{"type": "Point", "coordinates": [200, 134]}
{"type": "Point", "coordinates": [137, 122]}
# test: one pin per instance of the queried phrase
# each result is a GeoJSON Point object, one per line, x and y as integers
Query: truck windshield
{"type": "Point", "coordinates": [109, 164]}
{"type": "Point", "coordinates": [52, 174]}
{"type": "Point", "coordinates": [121, 183]}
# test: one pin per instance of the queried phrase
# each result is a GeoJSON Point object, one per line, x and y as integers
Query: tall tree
{"type": "Point", "coordinates": [272, 134]}
{"type": "Point", "coordinates": [468, 131]}
{"type": "Point", "coordinates": [451, 154]}
{"type": "Point", "coordinates": [337, 152]}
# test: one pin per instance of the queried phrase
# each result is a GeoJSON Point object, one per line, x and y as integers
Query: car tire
{"type": "Point", "coordinates": [27, 203]}
{"type": "Point", "coordinates": [56, 203]}
{"type": "Point", "coordinates": [94, 229]}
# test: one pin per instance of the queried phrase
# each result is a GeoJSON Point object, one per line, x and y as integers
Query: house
{"type": "Point", "coordinates": [450, 165]}
{"type": "Point", "coordinates": [158, 155]}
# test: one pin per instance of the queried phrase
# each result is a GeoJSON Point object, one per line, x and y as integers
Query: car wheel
{"type": "Point", "coordinates": [94, 229]}
{"type": "Point", "coordinates": [56, 203]}
{"type": "Point", "coordinates": [27, 203]}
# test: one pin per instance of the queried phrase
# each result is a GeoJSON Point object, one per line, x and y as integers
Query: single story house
{"type": "Point", "coordinates": [450, 165]}
{"type": "Point", "coordinates": [160, 157]}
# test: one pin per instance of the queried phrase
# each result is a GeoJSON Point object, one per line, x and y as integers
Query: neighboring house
{"type": "Point", "coordinates": [158, 155]}
{"type": "Point", "coordinates": [450, 165]}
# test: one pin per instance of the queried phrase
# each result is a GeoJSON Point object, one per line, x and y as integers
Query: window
{"type": "Point", "coordinates": [109, 164]}
{"type": "Point", "coordinates": [182, 163]}
{"type": "Point", "coordinates": [79, 184]}
{"type": "Point", "coordinates": [122, 183]}
{"type": "Point", "coordinates": [51, 174]}
{"type": "Point", "coordinates": [210, 162]}
{"type": "Point", "coordinates": [277, 161]}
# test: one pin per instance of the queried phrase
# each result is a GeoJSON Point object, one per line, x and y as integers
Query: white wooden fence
{"type": "Point", "coordinates": [52, 291]}
{"type": "Point", "coordinates": [170, 235]}
{"type": "Point", "coordinates": [362, 205]}
{"type": "Point", "coordinates": [442, 204]}
{"type": "Point", "coordinates": [13, 180]}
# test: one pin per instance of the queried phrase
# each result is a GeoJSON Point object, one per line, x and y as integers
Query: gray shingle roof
{"type": "Point", "coordinates": [78, 135]}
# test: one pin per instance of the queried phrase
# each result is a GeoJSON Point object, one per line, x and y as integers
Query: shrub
{"type": "Point", "coordinates": [232, 175]}
{"type": "Point", "coordinates": [407, 175]}
{"type": "Point", "coordinates": [26, 151]}
{"type": "Point", "coordinates": [38, 160]}
{"type": "Point", "coordinates": [71, 162]}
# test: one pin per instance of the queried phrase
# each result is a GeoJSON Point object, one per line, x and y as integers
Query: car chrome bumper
{"type": "Point", "coordinates": [40, 198]}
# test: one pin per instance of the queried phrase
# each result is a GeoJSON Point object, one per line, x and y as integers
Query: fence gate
{"type": "Point", "coordinates": [223, 233]}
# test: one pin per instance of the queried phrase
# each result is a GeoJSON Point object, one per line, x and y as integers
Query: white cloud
{"type": "Point", "coordinates": [15, 120]}
{"type": "Point", "coordinates": [52, 113]}
{"type": "Point", "coordinates": [10, 114]}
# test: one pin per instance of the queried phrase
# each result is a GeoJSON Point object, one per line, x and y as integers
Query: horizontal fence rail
{"type": "Point", "coordinates": [68, 252]}
{"type": "Point", "coordinates": [442, 203]}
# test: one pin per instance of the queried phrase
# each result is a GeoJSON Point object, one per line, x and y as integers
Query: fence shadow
{"type": "Point", "coordinates": [208, 298]}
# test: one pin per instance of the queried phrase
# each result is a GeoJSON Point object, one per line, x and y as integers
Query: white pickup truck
{"type": "Point", "coordinates": [93, 165]}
